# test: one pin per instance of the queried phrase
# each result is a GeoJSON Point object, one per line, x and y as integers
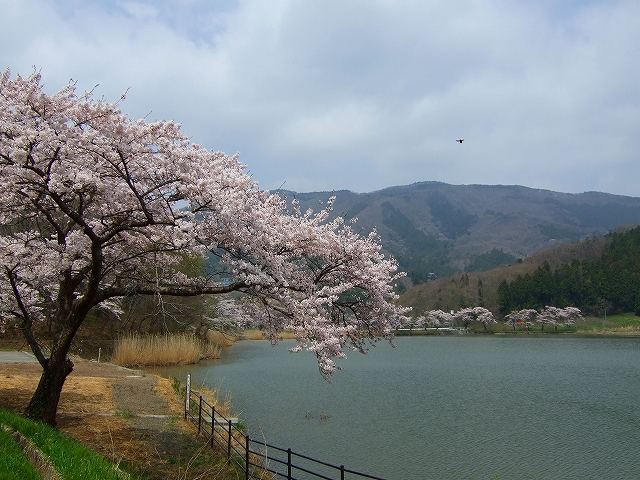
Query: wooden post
{"type": "Point", "coordinates": [187, 395]}
{"type": "Point", "coordinates": [200, 415]}
{"type": "Point", "coordinates": [213, 423]}
{"type": "Point", "coordinates": [247, 441]}
{"type": "Point", "coordinates": [229, 444]}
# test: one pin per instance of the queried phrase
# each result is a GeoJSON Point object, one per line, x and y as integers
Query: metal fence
{"type": "Point", "coordinates": [255, 458]}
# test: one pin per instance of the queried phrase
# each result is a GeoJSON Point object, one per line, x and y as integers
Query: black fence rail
{"type": "Point", "coordinates": [255, 458]}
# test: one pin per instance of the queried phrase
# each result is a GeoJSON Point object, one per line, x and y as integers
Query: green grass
{"type": "Point", "coordinates": [537, 328]}
{"type": "Point", "coordinates": [124, 413]}
{"type": "Point", "coordinates": [13, 462]}
{"type": "Point", "coordinates": [72, 460]}
{"type": "Point", "coordinates": [623, 323]}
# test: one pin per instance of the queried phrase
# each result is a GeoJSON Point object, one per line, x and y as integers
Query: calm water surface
{"type": "Point", "coordinates": [447, 407]}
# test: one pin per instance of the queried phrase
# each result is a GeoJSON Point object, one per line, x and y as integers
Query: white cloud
{"type": "Point", "coordinates": [333, 129]}
{"type": "Point", "coordinates": [363, 94]}
{"type": "Point", "coordinates": [139, 11]}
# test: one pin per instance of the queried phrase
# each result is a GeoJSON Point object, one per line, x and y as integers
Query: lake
{"type": "Point", "coordinates": [450, 407]}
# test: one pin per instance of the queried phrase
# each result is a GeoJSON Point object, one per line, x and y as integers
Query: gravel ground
{"type": "Point", "coordinates": [132, 418]}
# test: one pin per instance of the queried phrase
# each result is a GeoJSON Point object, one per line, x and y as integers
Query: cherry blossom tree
{"type": "Point", "coordinates": [92, 209]}
{"type": "Point", "coordinates": [232, 313]}
{"type": "Point", "coordinates": [569, 316]}
{"type": "Point", "coordinates": [524, 317]}
{"type": "Point", "coordinates": [470, 315]}
{"type": "Point", "coordinates": [549, 316]}
{"type": "Point", "coordinates": [438, 318]}
{"type": "Point", "coordinates": [410, 323]}
{"type": "Point", "coordinates": [559, 316]}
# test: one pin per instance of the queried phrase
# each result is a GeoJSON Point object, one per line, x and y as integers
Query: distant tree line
{"type": "Point", "coordinates": [490, 260]}
{"type": "Point", "coordinates": [611, 282]}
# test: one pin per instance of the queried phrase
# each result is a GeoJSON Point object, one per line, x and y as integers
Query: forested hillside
{"type": "Point", "coordinates": [612, 282]}
{"type": "Point", "coordinates": [597, 274]}
{"type": "Point", "coordinates": [481, 288]}
{"type": "Point", "coordinates": [436, 230]}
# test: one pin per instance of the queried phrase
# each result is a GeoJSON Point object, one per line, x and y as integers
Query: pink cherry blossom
{"type": "Point", "coordinates": [470, 315]}
{"type": "Point", "coordinates": [553, 316]}
{"type": "Point", "coordinates": [524, 317]}
{"type": "Point", "coordinates": [439, 318]}
{"type": "Point", "coordinates": [92, 209]}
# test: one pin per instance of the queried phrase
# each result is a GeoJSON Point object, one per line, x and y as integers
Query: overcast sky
{"type": "Point", "coordinates": [362, 95]}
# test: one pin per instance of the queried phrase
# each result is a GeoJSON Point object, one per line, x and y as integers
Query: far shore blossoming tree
{"type": "Point", "coordinates": [559, 316]}
{"type": "Point", "coordinates": [470, 315]}
{"type": "Point", "coordinates": [525, 317]}
{"type": "Point", "coordinates": [553, 316]}
{"type": "Point", "coordinates": [92, 209]}
{"type": "Point", "coordinates": [438, 318]}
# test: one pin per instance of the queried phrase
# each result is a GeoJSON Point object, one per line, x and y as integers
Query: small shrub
{"type": "Point", "coordinates": [177, 387]}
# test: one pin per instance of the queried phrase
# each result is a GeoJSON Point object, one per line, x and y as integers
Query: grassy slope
{"type": "Point", "coordinates": [626, 324]}
{"type": "Point", "coordinates": [623, 324]}
{"type": "Point", "coordinates": [70, 458]}
{"type": "Point", "coordinates": [13, 462]}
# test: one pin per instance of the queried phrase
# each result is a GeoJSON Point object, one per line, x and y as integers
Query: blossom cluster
{"type": "Point", "coordinates": [553, 316]}
{"type": "Point", "coordinates": [95, 206]}
{"type": "Point", "coordinates": [463, 317]}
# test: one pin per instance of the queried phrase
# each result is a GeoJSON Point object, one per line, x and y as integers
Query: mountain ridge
{"type": "Point", "coordinates": [436, 229]}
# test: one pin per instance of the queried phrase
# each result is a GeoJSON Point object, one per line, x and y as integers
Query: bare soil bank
{"type": "Point", "coordinates": [131, 418]}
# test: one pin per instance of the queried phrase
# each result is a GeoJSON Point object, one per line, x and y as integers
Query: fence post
{"type": "Point", "coordinates": [229, 444]}
{"type": "Point", "coordinates": [341, 472]}
{"type": "Point", "coordinates": [247, 441]}
{"type": "Point", "coordinates": [288, 464]}
{"type": "Point", "coordinates": [213, 423]}
{"type": "Point", "coordinates": [200, 414]}
{"type": "Point", "coordinates": [187, 397]}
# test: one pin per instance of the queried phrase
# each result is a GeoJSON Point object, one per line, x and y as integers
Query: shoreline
{"type": "Point", "coordinates": [597, 333]}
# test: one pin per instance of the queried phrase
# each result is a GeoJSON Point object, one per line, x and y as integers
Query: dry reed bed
{"type": "Point", "coordinates": [168, 349]}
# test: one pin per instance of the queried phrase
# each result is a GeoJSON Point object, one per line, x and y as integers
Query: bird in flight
{"type": "Point", "coordinates": [460, 140]}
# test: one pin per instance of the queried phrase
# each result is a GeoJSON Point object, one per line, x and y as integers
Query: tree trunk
{"type": "Point", "coordinates": [44, 402]}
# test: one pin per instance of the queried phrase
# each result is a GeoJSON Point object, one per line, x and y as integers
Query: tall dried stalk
{"type": "Point", "coordinates": [169, 349]}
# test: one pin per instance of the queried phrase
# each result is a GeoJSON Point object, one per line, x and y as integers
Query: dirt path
{"type": "Point", "coordinates": [131, 418]}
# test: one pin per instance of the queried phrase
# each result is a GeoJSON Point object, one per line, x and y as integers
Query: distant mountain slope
{"type": "Point", "coordinates": [442, 229]}
{"type": "Point", "coordinates": [482, 288]}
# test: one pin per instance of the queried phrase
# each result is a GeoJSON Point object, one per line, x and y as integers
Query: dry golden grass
{"type": "Point", "coordinates": [221, 339]}
{"type": "Point", "coordinates": [88, 413]}
{"type": "Point", "coordinates": [620, 331]}
{"type": "Point", "coordinates": [214, 397]}
{"type": "Point", "coordinates": [82, 394]}
{"type": "Point", "coordinates": [170, 349]}
{"type": "Point", "coordinates": [255, 334]}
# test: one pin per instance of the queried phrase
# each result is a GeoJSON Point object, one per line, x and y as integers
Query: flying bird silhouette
{"type": "Point", "coordinates": [460, 140]}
